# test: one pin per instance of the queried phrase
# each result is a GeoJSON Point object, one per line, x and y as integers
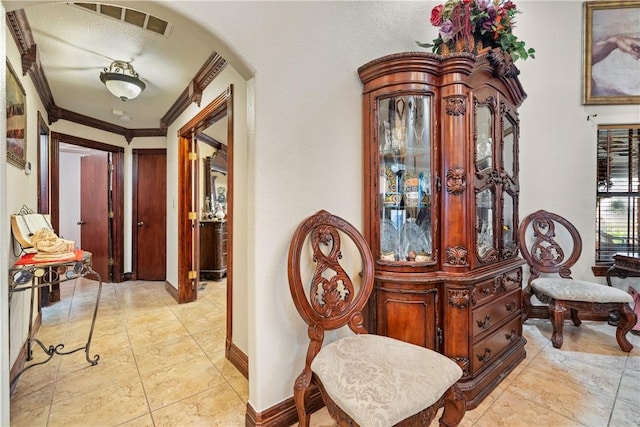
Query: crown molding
{"type": "Point", "coordinates": [193, 92]}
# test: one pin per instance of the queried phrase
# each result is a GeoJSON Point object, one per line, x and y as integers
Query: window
{"type": "Point", "coordinates": [618, 193]}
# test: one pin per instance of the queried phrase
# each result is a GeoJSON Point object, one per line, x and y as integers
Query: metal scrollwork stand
{"type": "Point", "coordinates": [30, 277]}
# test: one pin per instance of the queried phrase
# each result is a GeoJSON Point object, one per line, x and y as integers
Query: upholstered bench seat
{"type": "Point", "coordinates": [381, 381]}
{"type": "Point", "coordinates": [578, 290]}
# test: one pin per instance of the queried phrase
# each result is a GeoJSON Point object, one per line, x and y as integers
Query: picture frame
{"type": "Point", "coordinates": [611, 67]}
{"type": "Point", "coordinates": [16, 119]}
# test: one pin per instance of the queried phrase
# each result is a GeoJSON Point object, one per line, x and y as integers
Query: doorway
{"type": "Point", "coordinates": [189, 209]}
{"type": "Point", "coordinates": [149, 214]}
{"type": "Point", "coordinates": [114, 256]}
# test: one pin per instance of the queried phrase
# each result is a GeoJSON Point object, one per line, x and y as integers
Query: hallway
{"type": "Point", "coordinates": [160, 363]}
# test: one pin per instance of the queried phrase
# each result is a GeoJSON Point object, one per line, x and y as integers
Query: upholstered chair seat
{"type": "Point", "coordinates": [579, 290]}
{"type": "Point", "coordinates": [380, 381]}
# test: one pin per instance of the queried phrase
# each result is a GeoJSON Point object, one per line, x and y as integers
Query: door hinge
{"type": "Point", "coordinates": [111, 214]}
{"type": "Point", "coordinates": [111, 262]}
{"type": "Point", "coordinates": [110, 166]}
{"type": "Point", "coordinates": [193, 156]}
{"type": "Point", "coordinates": [440, 337]}
{"type": "Point", "coordinates": [438, 184]}
{"type": "Point", "coordinates": [192, 216]}
{"type": "Point", "coordinates": [192, 275]}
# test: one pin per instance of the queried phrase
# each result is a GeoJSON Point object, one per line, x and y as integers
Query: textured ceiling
{"type": "Point", "coordinates": [75, 45]}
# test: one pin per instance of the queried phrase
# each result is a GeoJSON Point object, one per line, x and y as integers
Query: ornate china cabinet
{"type": "Point", "coordinates": [441, 208]}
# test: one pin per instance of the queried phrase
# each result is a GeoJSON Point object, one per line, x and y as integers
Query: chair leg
{"type": "Point", "coordinates": [575, 318]}
{"type": "Point", "coordinates": [300, 393]}
{"type": "Point", "coordinates": [627, 320]}
{"type": "Point", "coordinates": [556, 315]}
{"type": "Point", "coordinates": [526, 302]}
{"type": "Point", "coordinates": [454, 407]}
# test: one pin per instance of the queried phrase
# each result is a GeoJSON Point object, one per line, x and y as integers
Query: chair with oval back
{"type": "Point", "coordinates": [545, 252]}
{"type": "Point", "coordinates": [364, 379]}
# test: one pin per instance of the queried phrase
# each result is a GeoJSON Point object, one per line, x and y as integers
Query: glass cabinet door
{"type": "Point", "coordinates": [508, 146]}
{"type": "Point", "coordinates": [509, 198]}
{"type": "Point", "coordinates": [486, 192]}
{"type": "Point", "coordinates": [484, 141]}
{"type": "Point", "coordinates": [404, 136]}
{"type": "Point", "coordinates": [484, 222]}
{"type": "Point", "coordinates": [508, 228]}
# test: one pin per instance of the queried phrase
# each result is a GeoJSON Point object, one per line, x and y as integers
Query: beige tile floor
{"type": "Point", "coordinates": [162, 364]}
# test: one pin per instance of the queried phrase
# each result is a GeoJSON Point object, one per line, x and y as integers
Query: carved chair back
{"type": "Point", "coordinates": [549, 243]}
{"type": "Point", "coordinates": [329, 296]}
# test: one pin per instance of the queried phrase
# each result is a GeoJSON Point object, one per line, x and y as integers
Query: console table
{"type": "Point", "coordinates": [624, 265]}
{"type": "Point", "coordinates": [28, 274]}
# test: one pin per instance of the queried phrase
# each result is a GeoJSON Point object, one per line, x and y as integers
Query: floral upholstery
{"type": "Point", "coordinates": [379, 381]}
{"type": "Point", "coordinates": [578, 290]}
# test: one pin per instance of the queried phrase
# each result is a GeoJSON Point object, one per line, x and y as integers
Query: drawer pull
{"type": "Point", "coordinates": [484, 324]}
{"type": "Point", "coordinates": [512, 306]}
{"type": "Point", "coordinates": [484, 358]}
{"type": "Point", "coordinates": [486, 291]}
{"type": "Point", "coordinates": [511, 336]}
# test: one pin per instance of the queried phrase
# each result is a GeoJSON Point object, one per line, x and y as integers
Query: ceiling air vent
{"type": "Point", "coordinates": [130, 16]}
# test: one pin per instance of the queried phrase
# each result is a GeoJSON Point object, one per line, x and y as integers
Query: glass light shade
{"type": "Point", "coordinates": [122, 80]}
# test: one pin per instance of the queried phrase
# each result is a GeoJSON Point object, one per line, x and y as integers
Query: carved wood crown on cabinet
{"type": "Point", "coordinates": [21, 31]}
{"type": "Point", "coordinates": [441, 201]}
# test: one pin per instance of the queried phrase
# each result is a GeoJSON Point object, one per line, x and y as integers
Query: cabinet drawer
{"type": "Point", "coordinates": [489, 348]}
{"type": "Point", "coordinates": [492, 288]}
{"type": "Point", "coordinates": [511, 280]}
{"type": "Point", "coordinates": [490, 315]}
{"type": "Point", "coordinates": [483, 291]}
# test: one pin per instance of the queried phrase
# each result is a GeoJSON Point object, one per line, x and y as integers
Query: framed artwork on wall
{"type": "Point", "coordinates": [611, 52]}
{"type": "Point", "coordinates": [16, 119]}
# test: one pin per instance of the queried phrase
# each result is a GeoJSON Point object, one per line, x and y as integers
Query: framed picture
{"type": "Point", "coordinates": [611, 52]}
{"type": "Point", "coordinates": [16, 120]}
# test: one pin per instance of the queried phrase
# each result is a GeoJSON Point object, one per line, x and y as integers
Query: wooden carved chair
{"type": "Point", "coordinates": [551, 245]}
{"type": "Point", "coordinates": [364, 379]}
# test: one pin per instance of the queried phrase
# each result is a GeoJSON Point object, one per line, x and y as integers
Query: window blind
{"type": "Point", "coordinates": [618, 192]}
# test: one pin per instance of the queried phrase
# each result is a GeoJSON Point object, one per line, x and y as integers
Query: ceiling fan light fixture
{"type": "Point", "coordinates": [122, 80]}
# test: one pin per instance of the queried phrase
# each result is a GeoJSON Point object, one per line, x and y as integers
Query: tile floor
{"type": "Point", "coordinates": [162, 364]}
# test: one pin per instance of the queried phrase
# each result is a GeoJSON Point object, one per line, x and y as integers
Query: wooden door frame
{"type": "Point", "coordinates": [188, 223]}
{"type": "Point", "coordinates": [44, 171]}
{"type": "Point", "coordinates": [134, 205]}
{"type": "Point", "coordinates": [117, 156]}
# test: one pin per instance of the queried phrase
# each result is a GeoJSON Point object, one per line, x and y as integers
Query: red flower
{"type": "Point", "coordinates": [509, 5]}
{"type": "Point", "coordinates": [466, 2]}
{"type": "Point", "coordinates": [436, 15]}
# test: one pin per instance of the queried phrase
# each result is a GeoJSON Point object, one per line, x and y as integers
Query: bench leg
{"type": "Point", "coordinates": [627, 321]}
{"type": "Point", "coordinates": [556, 315]}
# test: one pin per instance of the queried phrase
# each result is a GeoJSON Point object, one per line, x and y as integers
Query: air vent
{"type": "Point", "coordinates": [130, 16]}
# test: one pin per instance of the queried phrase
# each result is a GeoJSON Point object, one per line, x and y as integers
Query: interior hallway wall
{"type": "Point", "coordinates": [4, 237]}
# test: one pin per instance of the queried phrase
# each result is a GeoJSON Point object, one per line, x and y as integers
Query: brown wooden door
{"type": "Point", "coordinates": [150, 219]}
{"type": "Point", "coordinates": [94, 211]}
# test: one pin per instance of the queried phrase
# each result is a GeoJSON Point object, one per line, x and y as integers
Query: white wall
{"type": "Point", "coordinates": [21, 190]}
{"type": "Point", "coordinates": [70, 198]}
{"type": "Point", "coordinates": [306, 152]}
{"type": "Point", "coordinates": [4, 237]}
